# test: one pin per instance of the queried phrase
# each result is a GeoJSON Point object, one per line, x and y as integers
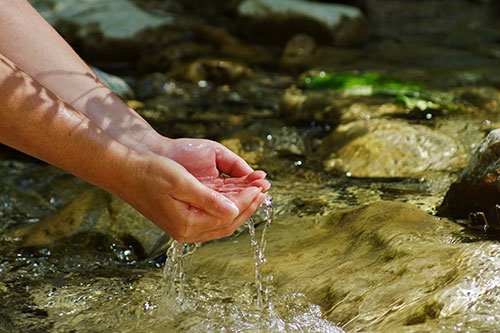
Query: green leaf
{"type": "Point", "coordinates": [411, 95]}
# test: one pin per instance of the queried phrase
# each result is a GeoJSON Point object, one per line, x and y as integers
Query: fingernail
{"type": "Point", "coordinates": [229, 205]}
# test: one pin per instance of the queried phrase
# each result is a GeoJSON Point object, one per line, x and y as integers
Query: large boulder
{"type": "Point", "coordinates": [105, 29]}
{"type": "Point", "coordinates": [278, 20]}
{"type": "Point", "coordinates": [477, 190]}
{"type": "Point", "coordinates": [386, 266]}
{"type": "Point", "coordinates": [390, 148]}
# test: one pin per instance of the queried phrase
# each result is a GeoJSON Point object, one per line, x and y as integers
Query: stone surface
{"type": "Point", "coordinates": [95, 211]}
{"type": "Point", "coordinates": [102, 28]}
{"type": "Point", "coordinates": [478, 187]}
{"type": "Point", "coordinates": [280, 19]}
{"type": "Point", "coordinates": [360, 263]}
{"type": "Point", "coordinates": [390, 148]}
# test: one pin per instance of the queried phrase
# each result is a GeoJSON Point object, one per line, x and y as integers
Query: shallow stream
{"type": "Point", "coordinates": [354, 243]}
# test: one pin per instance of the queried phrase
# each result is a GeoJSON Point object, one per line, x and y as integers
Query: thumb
{"type": "Point", "coordinates": [211, 201]}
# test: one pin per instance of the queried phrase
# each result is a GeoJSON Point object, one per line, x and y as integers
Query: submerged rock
{"type": "Point", "coordinates": [280, 19]}
{"type": "Point", "coordinates": [390, 148]}
{"type": "Point", "coordinates": [477, 190]}
{"type": "Point", "coordinates": [92, 213]}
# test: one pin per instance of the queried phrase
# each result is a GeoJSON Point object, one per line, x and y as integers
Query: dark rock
{"type": "Point", "coordinates": [162, 60]}
{"type": "Point", "coordinates": [477, 190]}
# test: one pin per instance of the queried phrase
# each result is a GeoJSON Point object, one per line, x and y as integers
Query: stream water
{"type": "Point", "coordinates": [354, 243]}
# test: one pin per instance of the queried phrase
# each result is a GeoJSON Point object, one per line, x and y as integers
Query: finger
{"type": "Point", "coordinates": [231, 164]}
{"type": "Point", "coordinates": [229, 186]}
{"type": "Point", "coordinates": [262, 183]}
{"type": "Point", "coordinates": [247, 213]}
{"type": "Point", "coordinates": [193, 224]}
{"type": "Point", "coordinates": [258, 174]}
{"type": "Point", "coordinates": [228, 230]}
{"type": "Point", "coordinates": [191, 191]}
{"type": "Point", "coordinates": [244, 198]}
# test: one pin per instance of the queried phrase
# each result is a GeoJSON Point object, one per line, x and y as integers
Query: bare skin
{"type": "Point", "coordinates": [52, 106]}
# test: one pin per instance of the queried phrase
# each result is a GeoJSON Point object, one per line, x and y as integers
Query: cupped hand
{"type": "Point", "coordinates": [191, 209]}
{"type": "Point", "coordinates": [206, 159]}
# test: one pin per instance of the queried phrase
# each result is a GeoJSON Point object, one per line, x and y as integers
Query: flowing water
{"type": "Point", "coordinates": [195, 304]}
{"type": "Point", "coordinates": [343, 253]}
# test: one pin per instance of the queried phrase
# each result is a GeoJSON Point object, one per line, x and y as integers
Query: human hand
{"type": "Point", "coordinates": [208, 159]}
{"type": "Point", "coordinates": [187, 209]}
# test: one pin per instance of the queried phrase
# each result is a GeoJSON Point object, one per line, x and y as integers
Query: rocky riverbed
{"type": "Point", "coordinates": [363, 114]}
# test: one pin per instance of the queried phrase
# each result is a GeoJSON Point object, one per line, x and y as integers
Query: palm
{"type": "Point", "coordinates": [208, 160]}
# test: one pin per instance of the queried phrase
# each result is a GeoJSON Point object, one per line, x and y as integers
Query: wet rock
{"type": "Point", "coordinates": [95, 212]}
{"type": "Point", "coordinates": [105, 29]}
{"type": "Point", "coordinates": [389, 148]}
{"type": "Point", "coordinates": [477, 190]}
{"type": "Point", "coordinates": [278, 20]}
{"type": "Point", "coordinates": [308, 106]}
{"type": "Point", "coordinates": [213, 70]}
{"type": "Point", "coordinates": [358, 263]}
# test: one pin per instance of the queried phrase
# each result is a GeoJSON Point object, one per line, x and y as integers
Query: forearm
{"type": "Point", "coordinates": [36, 122]}
{"type": "Point", "coordinates": [35, 47]}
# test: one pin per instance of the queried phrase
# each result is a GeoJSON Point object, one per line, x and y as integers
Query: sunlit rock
{"type": "Point", "coordinates": [115, 29]}
{"type": "Point", "coordinates": [95, 211]}
{"type": "Point", "coordinates": [477, 190]}
{"type": "Point", "coordinates": [278, 20]}
{"type": "Point", "coordinates": [390, 148]}
{"type": "Point", "coordinates": [386, 266]}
